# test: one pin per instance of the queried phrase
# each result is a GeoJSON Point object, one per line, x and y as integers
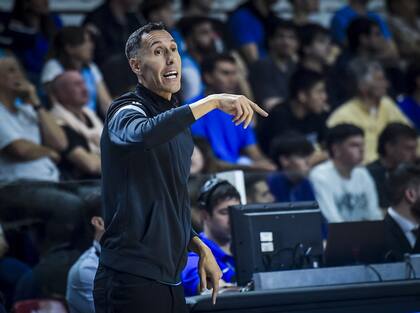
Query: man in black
{"type": "Point", "coordinates": [403, 217]}
{"type": "Point", "coordinates": [146, 150]}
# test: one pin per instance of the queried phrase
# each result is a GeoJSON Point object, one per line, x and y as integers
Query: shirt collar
{"type": "Point", "coordinates": [405, 224]}
{"type": "Point", "coordinates": [97, 246]}
{"type": "Point", "coordinates": [161, 103]}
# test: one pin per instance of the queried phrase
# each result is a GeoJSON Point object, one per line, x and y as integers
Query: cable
{"type": "Point", "coordinates": [375, 271]}
{"type": "Point", "coordinates": [407, 261]}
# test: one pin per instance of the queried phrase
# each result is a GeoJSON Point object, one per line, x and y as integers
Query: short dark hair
{"type": "Point", "coordinates": [392, 133]}
{"type": "Point", "coordinates": [288, 144]}
{"type": "Point", "coordinates": [404, 176]}
{"type": "Point", "coordinates": [278, 23]}
{"type": "Point", "coordinates": [149, 6]}
{"type": "Point", "coordinates": [221, 192]}
{"type": "Point", "coordinates": [303, 80]}
{"type": "Point", "coordinates": [187, 24]}
{"type": "Point", "coordinates": [251, 179]}
{"type": "Point", "coordinates": [67, 36]}
{"type": "Point", "coordinates": [209, 64]}
{"type": "Point", "coordinates": [133, 43]}
{"type": "Point", "coordinates": [341, 133]}
{"type": "Point", "coordinates": [359, 26]}
{"type": "Point", "coordinates": [309, 32]}
{"type": "Point", "coordinates": [411, 76]}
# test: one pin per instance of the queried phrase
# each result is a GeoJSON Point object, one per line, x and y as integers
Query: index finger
{"type": "Point", "coordinates": [215, 283]}
{"type": "Point", "coordinates": [257, 109]}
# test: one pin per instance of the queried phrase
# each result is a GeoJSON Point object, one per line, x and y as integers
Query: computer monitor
{"type": "Point", "coordinates": [272, 237]}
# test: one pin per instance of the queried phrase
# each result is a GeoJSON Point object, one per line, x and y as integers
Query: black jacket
{"type": "Point", "coordinates": [146, 149]}
{"type": "Point", "coordinates": [396, 242]}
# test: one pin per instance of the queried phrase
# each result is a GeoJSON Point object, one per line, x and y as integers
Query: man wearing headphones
{"type": "Point", "coordinates": [215, 197]}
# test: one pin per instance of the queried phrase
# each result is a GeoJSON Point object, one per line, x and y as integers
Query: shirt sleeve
{"type": "Point", "coordinates": [249, 136]}
{"type": "Point", "coordinates": [325, 198]}
{"type": "Point", "coordinates": [7, 134]}
{"type": "Point", "coordinates": [240, 26]}
{"type": "Point", "coordinates": [130, 126]}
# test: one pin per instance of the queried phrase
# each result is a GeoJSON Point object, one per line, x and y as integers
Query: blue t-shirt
{"type": "Point", "coordinates": [345, 15]}
{"type": "Point", "coordinates": [247, 28]}
{"type": "Point", "coordinates": [284, 191]}
{"type": "Point", "coordinates": [226, 139]}
{"type": "Point", "coordinates": [411, 109]}
{"type": "Point", "coordinates": [190, 277]}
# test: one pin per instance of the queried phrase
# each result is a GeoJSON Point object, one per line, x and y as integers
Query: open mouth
{"type": "Point", "coordinates": [171, 75]}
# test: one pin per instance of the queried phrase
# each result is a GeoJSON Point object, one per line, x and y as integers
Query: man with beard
{"type": "Point", "coordinates": [403, 217]}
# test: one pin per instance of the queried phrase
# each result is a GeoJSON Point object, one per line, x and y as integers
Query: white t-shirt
{"type": "Point", "coordinates": [345, 199]}
{"type": "Point", "coordinates": [22, 124]}
{"type": "Point", "coordinates": [53, 68]}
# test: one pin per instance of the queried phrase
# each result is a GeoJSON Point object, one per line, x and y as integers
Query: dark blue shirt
{"type": "Point", "coordinates": [411, 109]}
{"type": "Point", "coordinates": [343, 17]}
{"type": "Point", "coordinates": [190, 277]}
{"type": "Point", "coordinates": [246, 28]}
{"type": "Point", "coordinates": [285, 191]}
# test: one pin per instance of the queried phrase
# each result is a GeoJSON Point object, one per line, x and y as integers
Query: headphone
{"type": "Point", "coordinates": [208, 189]}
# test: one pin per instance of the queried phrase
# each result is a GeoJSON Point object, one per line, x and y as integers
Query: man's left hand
{"type": "Point", "coordinates": [209, 272]}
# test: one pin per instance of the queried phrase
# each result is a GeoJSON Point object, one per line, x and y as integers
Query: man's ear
{"type": "Point", "coordinates": [135, 65]}
{"type": "Point", "coordinates": [410, 195]}
{"type": "Point", "coordinates": [301, 96]}
{"type": "Point", "coordinates": [98, 223]}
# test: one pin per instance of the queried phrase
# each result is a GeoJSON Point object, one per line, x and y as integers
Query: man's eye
{"type": "Point", "coordinates": [173, 49]}
{"type": "Point", "coordinates": [158, 51]}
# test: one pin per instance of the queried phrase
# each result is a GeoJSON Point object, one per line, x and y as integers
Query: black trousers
{"type": "Point", "coordinates": [117, 292]}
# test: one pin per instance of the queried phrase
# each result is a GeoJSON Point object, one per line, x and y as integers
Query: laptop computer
{"type": "Point", "coordinates": [353, 243]}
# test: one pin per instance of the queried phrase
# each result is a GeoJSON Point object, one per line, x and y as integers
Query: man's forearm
{"type": "Point", "coordinates": [24, 150]}
{"type": "Point", "coordinates": [203, 106]}
{"type": "Point", "coordinates": [52, 134]}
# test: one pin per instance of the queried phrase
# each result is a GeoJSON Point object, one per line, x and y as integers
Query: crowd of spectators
{"type": "Point", "coordinates": [344, 116]}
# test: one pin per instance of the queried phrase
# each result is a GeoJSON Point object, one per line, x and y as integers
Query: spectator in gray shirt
{"type": "Point", "coordinates": [30, 143]}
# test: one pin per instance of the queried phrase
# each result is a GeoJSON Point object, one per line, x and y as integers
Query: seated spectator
{"type": "Point", "coordinates": [80, 278]}
{"type": "Point", "coordinates": [32, 27]}
{"type": "Point", "coordinates": [83, 128]}
{"type": "Point", "coordinates": [403, 217]}
{"type": "Point", "coordinates": [292, 153]}
{"type": "Point", "coordinates": [409, 103]}
{"type": "Point", "coordinates": [215, 197]}
{"type": "Point", "coordinates": [365, 41]}
{"type": "Point", "coordinates": [229, 142]}
{"type": "Point", "coordinates": [302, 11]}
{"type": "Point", "coordinates": [155, 11]}
{"type": "Point", "coordinates": [405, 26]}
{"type": "Point", "coordinates": [199, 36]}
{"type": "Point", "coordinates": [397, 144]}
{"type": "Point", "coordinates": [248, 27]}
{"type": "Point", "coordinates": [257, 190]}
{"type": "Point", "coordinates": [192, 8]}
{"type": "Point", "coordinates": [305, 111]}
{"type": "Point", "coordinates": [356, 8]}
{"type": "Point", "coordinates": [111, 24]}
{"type": "Point", "coordinates": [318, 54]}
{"type": "Point", "coordinates": [30, 145]}
{"type": "Point", "coordinates": [345, 192]}
{"type": "Point", "coordinates": [270, 77]}
{"type": "Point", "coordinates": [370, 108]}
{"type": "Point", "coordinates": [73, 50]}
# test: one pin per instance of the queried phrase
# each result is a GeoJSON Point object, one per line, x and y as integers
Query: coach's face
{"type": "Point", "coordinates": [158, 66]}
